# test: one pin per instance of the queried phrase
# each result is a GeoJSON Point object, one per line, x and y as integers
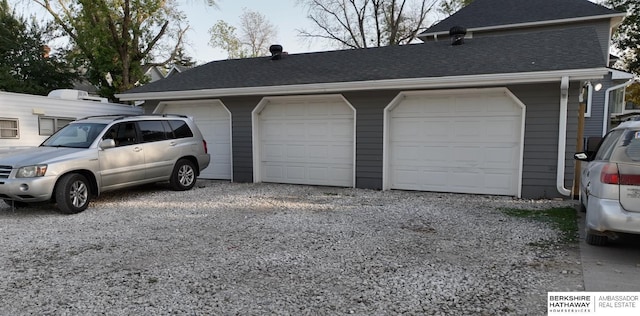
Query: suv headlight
{"type": "Point", "coordinates": [31, 171]}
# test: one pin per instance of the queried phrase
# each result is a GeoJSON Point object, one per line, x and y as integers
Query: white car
{"type": "Point", "coordinates": [610, 185]}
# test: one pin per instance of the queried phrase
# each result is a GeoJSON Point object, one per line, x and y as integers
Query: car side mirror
{"type": "Point", "coordinates": [107, 143]}
{"type": "Point", "coordinates": [582, 156]}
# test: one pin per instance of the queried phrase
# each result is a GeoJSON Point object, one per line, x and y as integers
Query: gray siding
{"type": "Point", "coordinates": [369, 135]}
{"type": "Point", "coordinates": [541, 138]}
{"type": "Point", "coordinates": [241, 134]}
{"type": "Point", "coordinates": [593, 124]}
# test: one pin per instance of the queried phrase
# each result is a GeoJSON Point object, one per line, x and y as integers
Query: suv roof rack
{"type": "Point", "coordinates": [117, 117]}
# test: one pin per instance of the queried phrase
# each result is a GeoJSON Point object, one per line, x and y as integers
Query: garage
{"type": "Point", "coordinates": [463, 141]}
{"type": "Point", "coordinates": [214, 121]}
{"type": "Point", "coordinates": [304, 140]}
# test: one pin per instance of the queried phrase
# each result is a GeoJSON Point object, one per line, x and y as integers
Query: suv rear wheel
{"type": "Point", "coordinates": [183, 176]}
{"type": "Point", "coordinates": [596, 240]}
{"type": "Point", "coordinates": [72, 193]}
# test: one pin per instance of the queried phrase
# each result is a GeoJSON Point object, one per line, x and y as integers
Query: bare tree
{"type": "Point", "coordinates": [449, 7]}
{"type": "Point", "coordinates": [366, 23]}
{"type": "Point", "coordinates": [257, 34]}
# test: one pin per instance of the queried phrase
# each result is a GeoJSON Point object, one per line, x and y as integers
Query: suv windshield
{"type": "Point", "coordinates": [75, 135]}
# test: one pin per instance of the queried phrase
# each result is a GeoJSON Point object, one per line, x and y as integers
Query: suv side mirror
{"type": "Point", "coordinates": [107, 143]}
{"type": "Point", "coordinates": [582, 156]}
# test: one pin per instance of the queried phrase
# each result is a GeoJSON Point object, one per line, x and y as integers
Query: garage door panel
{"type": "Point", "coordinates": [273, 151]}
{"type": "Point", "coordinates": [500, 130]}
{"type": "Point", "coordinates": [317, 130]}
{"type": "Point", "coordinates": [273, 171]}
{"type": "Point", "coordinates": [468, 106]}
{"type": "Point", "coordinates": [313, 140]}
{"type": "Point", "coordinates": [341, 128]}
{"type": "Point", "coordinates": [464, 144]}
{"type": "Point", "coordinates": [468, 128]}
{"type": "Point", "coordinates": [296, 152]}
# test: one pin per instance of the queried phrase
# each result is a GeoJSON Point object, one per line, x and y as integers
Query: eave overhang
{"type": "Point", "coordinates": [390, 84]}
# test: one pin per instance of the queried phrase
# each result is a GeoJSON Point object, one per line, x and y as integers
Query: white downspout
{"type": "Point", "coordinates": [605, 120]}
{"type": "Point", "coordinates": [562, 136]}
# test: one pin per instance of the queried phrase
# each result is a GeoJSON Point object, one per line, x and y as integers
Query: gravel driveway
{"type": "Point", "coordinates": [259, 249]}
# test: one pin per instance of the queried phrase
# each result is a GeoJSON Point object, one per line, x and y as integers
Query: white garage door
{"type": "Point", "coordinates": [465, 142]}
{"type": "Point", "coordinates": [306, 140]}
{"type": "Point", "coordinates": [213, 120]}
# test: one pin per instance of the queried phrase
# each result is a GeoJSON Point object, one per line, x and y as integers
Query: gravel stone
{"type": "Point", "coordinates": [258, 249]}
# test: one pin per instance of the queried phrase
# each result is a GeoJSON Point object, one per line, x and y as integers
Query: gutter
{"type": "Point", "coordinates": [389, 84]}
{"type": "Point", "coordinates": [562, 136]}
{"type": "Point", "coordinates": [606, 116]}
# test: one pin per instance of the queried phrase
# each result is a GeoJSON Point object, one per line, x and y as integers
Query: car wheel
{"type": "Point", "coordinates": [72, 193]}
{"type": "Point", "coordinates": [183, 176]}
{"type": "Point", "coordinates": [596, 240]}
{"type": "Point", "coordinates": [16, 204]}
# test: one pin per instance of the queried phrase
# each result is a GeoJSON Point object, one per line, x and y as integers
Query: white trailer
{"type": "Point", "coordinates": [27, 120]}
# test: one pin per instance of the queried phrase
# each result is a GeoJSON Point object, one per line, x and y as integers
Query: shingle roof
{"type": "Point", "coordinates": [526, 52]}
{"type": "Point", "coordinates": [488, 13]}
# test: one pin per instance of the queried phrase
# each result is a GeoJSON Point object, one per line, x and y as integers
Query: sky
{"type": "Point", "coordinates": [285, 15]}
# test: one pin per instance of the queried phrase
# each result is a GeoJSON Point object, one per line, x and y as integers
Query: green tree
{"type": "Point", "coordinates": [114, 38]}
{"type": "Point", "coordinates": [366, 23]}
{"type": "Point", "coordinates": [26, 62]}
{"type": "Point", "coordinates": [224, 36]}
{"type": "Point", "coordinates": [627, 36]}
{"type": "Point", "coordinates": [632, 93]}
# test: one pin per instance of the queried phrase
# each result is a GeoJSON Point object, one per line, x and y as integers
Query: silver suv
{"type": "Point", "coordinates": [610, 185]}
{"type": "Point", "coordinates": [104, 153]}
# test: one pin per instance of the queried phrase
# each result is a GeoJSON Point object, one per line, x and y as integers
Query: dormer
{"type": "Point", "coordinates": [493, 17]}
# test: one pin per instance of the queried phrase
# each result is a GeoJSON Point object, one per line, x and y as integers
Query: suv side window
{"type": "Point", "coordinates": [122, 133]}
{"type": "Point", "coordinates": [153, 131]}
{"type": "Point", "coordinates": [180, 129]}
{"type": "Point", "coordinates": [608, 145]}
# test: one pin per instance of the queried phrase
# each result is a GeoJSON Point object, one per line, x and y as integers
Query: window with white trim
{"type": "Point", "coordinates": [49, 125]}
{"type": "Point", "coordinates": [9, 128]}
{"type": "Point", "coordinates": [616, 101]}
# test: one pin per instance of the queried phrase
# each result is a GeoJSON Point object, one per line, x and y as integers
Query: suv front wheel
{"type": "Point", "coordinates": [183, 176]}
{"type": "Point", "coordinates": [72, 193]}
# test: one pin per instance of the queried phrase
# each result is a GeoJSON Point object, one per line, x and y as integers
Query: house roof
{"type": "Point", "coordinates": [481, 14]}
{"type": "Point", "coordinates": [506, 54]}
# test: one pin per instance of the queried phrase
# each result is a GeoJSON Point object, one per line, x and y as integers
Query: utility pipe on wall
{"type": "Point", "coordinates": [562, 136]}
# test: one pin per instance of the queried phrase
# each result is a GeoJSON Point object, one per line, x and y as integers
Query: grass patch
{"type": "Point", "coordinates": [564, 219]}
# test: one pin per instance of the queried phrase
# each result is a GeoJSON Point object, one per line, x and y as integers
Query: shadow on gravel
{"type": "Point", "coordinates": [40, 209]}
{"type": "Point", "coordinates": [626, 241]}
{"type": "Point", "coordinates": [44, 208]}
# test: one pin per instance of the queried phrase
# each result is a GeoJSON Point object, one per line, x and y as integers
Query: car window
{"type": "Point", "coordinates": [122, 133]}
{"type": "Point", "coordinates": [631, 144]}
{"type": "Point", "coordinates": [608, 145]}
{"type": "Point", "coordinates": [153, 131]}
{"type": "Point", "coordinates": [180, 129]}
{"type": "Point", "coordinates": [76, 135]}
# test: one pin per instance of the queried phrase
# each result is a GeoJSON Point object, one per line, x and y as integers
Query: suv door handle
{"type": "Point", "coordinates": [137, 149]}
{"type": "Point", "coordinates": [172, 144]}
